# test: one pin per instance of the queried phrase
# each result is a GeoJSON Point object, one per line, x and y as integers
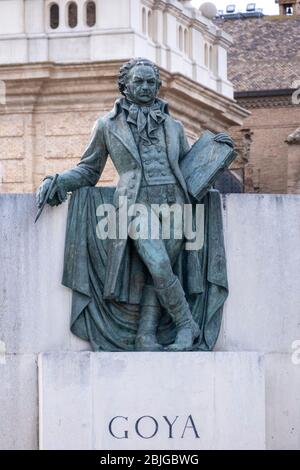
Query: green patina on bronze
{"type": "Point", "coordinates": [146, 295]}
{"type": "Point", "coordinates": [113, 325]}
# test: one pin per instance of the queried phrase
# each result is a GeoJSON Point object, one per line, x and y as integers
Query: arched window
{"type": "Point", "coordinates": [206, 55]}
{"type": "Point", "coordinates": [150, 25]}
{"type": "Point", "coordinates": [144, 21]}
{"type": "Point", "coordinates": [54, 16]}
{"type": "Point", "coordinates": [72, 15]}
{"type": "Point", "coordinates": [186, 42]}
{"type": "Point", "coordinates": [180, 38]}
{"type": "Point", "coordinates": [91, 14]}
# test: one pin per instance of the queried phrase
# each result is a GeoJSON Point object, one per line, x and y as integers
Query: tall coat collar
{"type": "Point", "coordinates": [120, 103]}
{"type": "Point", "coordinates": [120, 129]}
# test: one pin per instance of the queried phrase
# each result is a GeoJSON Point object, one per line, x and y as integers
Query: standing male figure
{"type": "Point", "coordinates": [146, 145]}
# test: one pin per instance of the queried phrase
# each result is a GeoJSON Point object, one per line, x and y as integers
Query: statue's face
{"type": "Point", "coordinates": [142, 84]}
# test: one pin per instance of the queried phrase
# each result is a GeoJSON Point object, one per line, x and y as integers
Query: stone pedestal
{"type": "Point", "coordinates": [152, 401]}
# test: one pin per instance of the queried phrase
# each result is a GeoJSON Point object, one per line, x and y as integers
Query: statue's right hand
{"type": "Point", "coordinates": [42, 192]}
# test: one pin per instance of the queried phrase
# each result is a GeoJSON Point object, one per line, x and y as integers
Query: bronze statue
{"type": "Point", "coordinates": [146, 146]}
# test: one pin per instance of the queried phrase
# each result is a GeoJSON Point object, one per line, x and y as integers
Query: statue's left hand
{"type": "Point", "coordinates": [224, 138]}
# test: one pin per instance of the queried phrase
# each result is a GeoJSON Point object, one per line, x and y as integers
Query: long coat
{"type": "Point", "coordinates": [112, 136]}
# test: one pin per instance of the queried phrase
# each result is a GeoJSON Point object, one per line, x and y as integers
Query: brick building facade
{"type": "Point", "coordinates": [264, 66]}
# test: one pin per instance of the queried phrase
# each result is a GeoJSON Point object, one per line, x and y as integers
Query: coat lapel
{"type": "Point", "coordinates": [171, 141]}
{"type": "Point", "coordinates": [173, 149]}
{"type": "Point", "coordinates": [121, 130]}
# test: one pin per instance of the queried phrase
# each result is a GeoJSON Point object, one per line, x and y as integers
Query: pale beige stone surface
{"type": "Point", "coordinates": [19, 402]}
{"type": "Point", "coordinates": [81, 393]}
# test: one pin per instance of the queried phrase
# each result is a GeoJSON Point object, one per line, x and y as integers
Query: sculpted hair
{"type": "Point", "coordinates": [125, 69]}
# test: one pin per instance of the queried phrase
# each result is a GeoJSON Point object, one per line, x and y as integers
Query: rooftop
{"type": "Point", "coordinates": [265, 54]}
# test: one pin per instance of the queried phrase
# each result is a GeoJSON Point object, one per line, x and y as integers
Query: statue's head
{"type": "Point", "coordinates": [139, 81]}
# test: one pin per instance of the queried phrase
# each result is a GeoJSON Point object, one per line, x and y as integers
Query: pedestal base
{"type": "Point", "coordinates": [152, 401]}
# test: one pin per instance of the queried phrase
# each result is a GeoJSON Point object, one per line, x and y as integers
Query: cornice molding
{"type": "Point", "coordinates": [70, 84]}
{"type": "Point", "coordinates": [253, 102]}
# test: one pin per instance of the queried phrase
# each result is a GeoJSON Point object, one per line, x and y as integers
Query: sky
{"type": "Point", "coordinates": [269, 6]}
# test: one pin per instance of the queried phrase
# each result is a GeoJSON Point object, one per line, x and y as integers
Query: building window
{"type": "Point", "coordinates": [72, 15]}
{"type": "Point", "coordinates": [186, 42]}
{"type": "Point", "coordinates": [91, 14]}
{"type": "Point", "coordinates": [54, 16]}
{"type": "Point", "coordinates": [288, 10]}
{"type": "Point", "coordinates": [144, 21]}
{"type": "Point", "coordinates": [147, 23]}
{"type": "Point", "coordinates": [150, 25]}
{"type": "Point", "coordinates": [180, 38]}
{"type": "Point", "coordinates": [206, 55]}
